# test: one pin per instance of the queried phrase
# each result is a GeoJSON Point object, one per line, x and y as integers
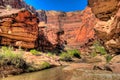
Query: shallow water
{"type": "Point", "coordinates": [59, 73]}
{"type": "Point", "coordinates": [48, 74]}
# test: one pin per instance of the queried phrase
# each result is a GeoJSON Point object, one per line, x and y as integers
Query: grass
{"type": "Point", "coordinates": [67, 56]}
{"type": "Point", "coordinates": [74, 53]}
{"type": "Point", "coordinates": [108, 58]}
{"type": "Point", "coordinates": [98, 48]}
{"type": "Point", "coordinates": [9, 57]}
{"type": "Point", "coordinates": [93, 54]}
{"type": "Point", "coordinates": [50, 54]}
{"type": "Point", "coordinates": [8, 52]}
{"type": "Point", "coordinates": [45, 65]}
{"type": "Point", "coordinates": [41, 66]}
{"type": "Point", "coordinates": [34, 52]}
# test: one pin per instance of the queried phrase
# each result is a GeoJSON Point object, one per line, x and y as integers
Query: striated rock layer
{"type": "Point", "coordinates": [77, 27]}
{"type": "Point", "coordinates": [19, 4]}
{"type": "Point", "coordinates": [18, 28]}
{"type": "Point", "coordinates": [108, 31]}
{"type": "Point", "coordinates": [104, 9]}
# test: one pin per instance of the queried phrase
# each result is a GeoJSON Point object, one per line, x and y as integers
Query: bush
{"type": "Point", "coordinates": [45, 65]}
{"type": "Point", "coordinates": [7, 52]}
{"type": "Point", "coordinates": [8, 57]}
{"type": "Point", "coordinates": [50, 54]}
{"type": "Point", "coordinates": [34, 52]}
{"type": "Point", "coordinates": [99, 48]}
{"type": "Point", "coordinates": [65, 56]}
{"type": "Point", "coordinates": [93, 54]}
{"type": "Point", "coordinates": [108, 58]}
{"type": "Point", "coordinates": [74, 53]}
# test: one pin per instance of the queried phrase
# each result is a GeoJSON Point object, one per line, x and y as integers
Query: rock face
{"type": "Point", "coordinates": [104, 9]}
{"type": "Point", "coordinates": [18, 28]}
{"type": "Point", "coordinates": [77, 27]}
{"type": "Point", "coordinates": [19, 4]}
{"type": "Point", "coordinates": [108, 31]}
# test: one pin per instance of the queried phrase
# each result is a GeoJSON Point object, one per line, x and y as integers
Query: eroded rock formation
{"type": "Point", "coordinates": [77, 27]}
{"type": "Point", "coordinates": [18, 28]}
{"type": "Point", "coordinates": [19, 4]}
{"type": "Point", "coordinates": [104, 9]}
{"type": "Point", "coordinates": [108, 31]}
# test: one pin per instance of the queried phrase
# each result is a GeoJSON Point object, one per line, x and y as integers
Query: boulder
{"type": "Point", "coordinates": [114, 67]}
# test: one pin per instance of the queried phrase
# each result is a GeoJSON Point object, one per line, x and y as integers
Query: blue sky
{"type": "Point", "coordinates": [59, 5]}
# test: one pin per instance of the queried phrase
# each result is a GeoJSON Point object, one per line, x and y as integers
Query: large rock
{"type": "Point", "coordinates": [104, 9]}
{"type": "Point", "coordinates": [114, 67]}
{"type": "Point", "coordinates": [18, 28]}
{"type": "Point", "coordinates": [108, 26]}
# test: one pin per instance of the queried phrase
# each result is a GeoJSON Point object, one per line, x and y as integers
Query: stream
{"type": "Point", "coordinates": [48, 74]}
{"type": "Point", "coordinates": [59, 73]}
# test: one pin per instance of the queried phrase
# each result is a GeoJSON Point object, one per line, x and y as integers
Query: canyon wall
{"type": "Point", "coordinates": [77, 27]}
{"type": "Point", "coordinates": [18, 24]}
{"type": "Point", "coordinates": [108, 25]}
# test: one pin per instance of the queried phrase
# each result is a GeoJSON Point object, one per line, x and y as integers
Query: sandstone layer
{"type": "Point", "coordinates": [18, 28]}
{"type": "Point", "coordinates": [107, 31]}
{"type": "Point", "coordinates": [77, 26]}
{"type": "Point", "coordinates": [19, 4]}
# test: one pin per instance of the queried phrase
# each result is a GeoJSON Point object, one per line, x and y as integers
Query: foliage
{"type": "Point", "coordinates": [98, 48]}
{"type": "Point", "coordinates": [74, 53]}
{"type": "Point", "coordinates": [93, 54]}
{"type": "Point", "coordinates": [8, 57]}
{"type": "Point", "coordinates": [108, 58]}
{"type": "Point", "coordinates": [50, 54]}
{"type": "Point", "coordinates": [65, 56]}
{"type": "Point", "coordinates": [34, 52]}
{"type": "Point", "coordinates": [45, 65]}
{"type": "Point", "coordinates": [7, 52]}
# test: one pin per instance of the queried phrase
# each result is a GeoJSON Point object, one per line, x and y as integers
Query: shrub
{"type": "Point", "coordinates": [74, 53]}
{"type": "Point", "coordinates": [65, 56]}
{"type": "Point", "coordinates": [7, 52]}
{"type": "Point", "coordinates": [93, 54]}
{"type": "Point", "coordinates": [50, 54]}
{"type": "Point", "coordinates": [108, 58]}
{"type": "Point", "coordinates": [34, 52]}
{"type": "Point", "coordinates": [45, 65]}
{"type": "Point", "coordinates": [99, 48]}
{"type": "Point", "coordinates": [8, 57]}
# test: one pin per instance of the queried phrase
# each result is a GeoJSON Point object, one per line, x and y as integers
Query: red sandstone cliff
{"type": "Point", "coordinates": [18, 28]}
{"type": "Point", "coordinates": [108, 24]}
{"type": "Point", "coordinates": [77, 26]}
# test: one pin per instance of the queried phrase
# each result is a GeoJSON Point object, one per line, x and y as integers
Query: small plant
{"type": "Point", "coordinates": [93, 54]}
{"type": "Point", "coordinates": [65, 56]}
{"type": "Point", "coordinates": [45, 65]}
{"type": "Point", "coordinates": [74, 53]}
{"type": "Point", "coordinates": [8, 7]}
{"type": "Point", "coordinates": [108, 58]}
{"type": "Point", "coordinates": [34, 52]}
{"type": "Point", "coordinates": [50, 54]}
{"type": "Point", "coordinates": [9, 57]}
{"type": "Point", "coordinates": [99, 48]}
{"type": "Point", "coordinates": [8, 52]}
